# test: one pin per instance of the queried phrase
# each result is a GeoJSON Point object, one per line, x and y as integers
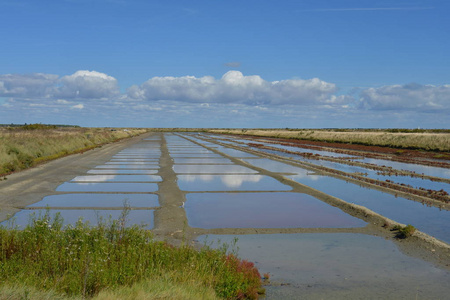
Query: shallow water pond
{"type": "Point", "coordinates": [264, 210]}
{"type": "Point", "coordinates": [430, 220]}
{"type": "Point", "coordinates": [128, 167]}
{"type": "Point", "coordinates": [195, 154]}
{"type": "Point", "coordinates": [122, 171]}
{"type": "Point", "coordinates": [198, 161]}
{"type": "Point", "coordinates": [117, 178]}
{"type": "Point", "coordinates": [133, 163]}
{"type": "Point", "coordinates": [205, 169]}
{"type": "Point", "coordinates": [107, 187]}
{"type": "Point", "coordinates": [140, 160]}
{"type": "Point", "coordinates": [230, 183]}
{"type": "Point", "coordinates": [98, 200]}
{"type": "Point", "coordinates": [234, 152]}
{"type": "Point", "coordinates": [338, 266]}
{"type": "Point", "coordinates": [71, 216]}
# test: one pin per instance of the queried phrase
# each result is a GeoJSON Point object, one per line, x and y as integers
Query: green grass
{"type": "Point", "coordinates": [111, 260]}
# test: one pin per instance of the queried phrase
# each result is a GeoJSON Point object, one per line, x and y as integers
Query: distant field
{"type": "Point", "coordinates": [430, 140]}
{"type": "Point", "coordinates": [26, 146]}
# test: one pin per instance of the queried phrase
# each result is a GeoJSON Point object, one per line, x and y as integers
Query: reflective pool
{"type": "Point", "coordinates": [98, 200]}
{"type": "Point", "coordinates": [338, 266]}
{"type": "Point", "coordinates": [196, 154]}
{"type": "Point", "coordinates": [107, 187]}
{"type": "Point", "coordinates": [122, 171]}
{"type": "Point", "coordinates": [234, 153]}
{"type": "Point", "coordinates": [117, 178]}
{"type": "Point", "coordinates": [71, 216]}
{"type": "Point", "coordinates": [430, 220]}
{"type": "Point", "coordinates": [198, 161]}
{"type": "Point", "coordinates": [205, 169]}
{"type": "Point", "coordinates": [133, 163]}
{"type": "Point", "coordinates": [230, 183]}
{"type": "Point", "coordinates": [127, 167]}
{"type": "Point", "coordinates": [264, 210]}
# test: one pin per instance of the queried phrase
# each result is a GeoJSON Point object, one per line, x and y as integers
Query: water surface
{"type": "Point", "coordinates": [107, 187]}
{"type": "Point", "coordinates": [230, 183]}
{"type": "Point", "coordinates": [71, 216]}
{"type": "Point", "coordinates": [338, 266]}
{"type": "Point", "coordinates": [264, 210]}
{"type": "Point", "coordinates": [98, 200]}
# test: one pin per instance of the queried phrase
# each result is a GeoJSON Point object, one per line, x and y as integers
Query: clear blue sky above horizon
{"type": "Point", "coordinates": [303, 63]}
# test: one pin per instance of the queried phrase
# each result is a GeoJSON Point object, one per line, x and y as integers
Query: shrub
{"type": "Point", "coordinates": [404, 232]}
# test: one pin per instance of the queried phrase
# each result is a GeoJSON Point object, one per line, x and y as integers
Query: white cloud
{"type": "Point", "coordinates": [27, 85]}
{"type": "Point", "coordinates": [406, 97]}
{"type": "Point", "coordinates": [233, 87]}
{"type": "Point", "coordinates": [80, 85]}
{"type": "Point", "coordinates": [78, 106]}
{"type": "Point", "coordinates": [88, 85]}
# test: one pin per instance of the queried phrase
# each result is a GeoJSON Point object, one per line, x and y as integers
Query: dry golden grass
{"type": "Point", "coordinates": [425, 141]}
{"type": "Point", "coordinates": [20, 149]}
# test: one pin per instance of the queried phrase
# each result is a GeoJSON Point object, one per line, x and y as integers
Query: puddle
{"type": "Point", "coordinates": [212, 169]}
{"type": "Point", "coordinates": [117, 178]}
{"type": "Point", "coordinates": [230, 183]}
{"type": "Point", "coordinates": [430, 220]}
{"type": "Point", "coordinates": [198, 161]}
{"type": "Point", "coordinates": [71, 216]}
{"type": "Point", "coordinates": [338, 266]}
{"type": "Point", "coordinates": [107, 187]}
{"type": "Point", "coordinates": [116, 172]}
{"type": "Point", "coordinates": [98, 200]}
{"type": "Point", "coordinates": [264, 210]}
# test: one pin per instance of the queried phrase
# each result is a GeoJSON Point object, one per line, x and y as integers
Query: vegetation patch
{"type": "Point", "coordinates": [404, 232]}
{"type": "Point", "coordinates": [429, 140]}
{"type": "Point", "coordinates": [111, 260]}
{"type": "Point", "coordinates": [26, 146]}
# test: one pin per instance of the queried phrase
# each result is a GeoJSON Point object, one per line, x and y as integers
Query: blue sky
{"type": "Point", "coordinates": [303, 63]}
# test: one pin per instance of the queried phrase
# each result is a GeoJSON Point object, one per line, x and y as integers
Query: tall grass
{"type": "Point", "coordinates": [23, 147]}
{"type": "Point", "coordinates": [84, 261]}
{"type": "Point", "coordinates": [416, 140]}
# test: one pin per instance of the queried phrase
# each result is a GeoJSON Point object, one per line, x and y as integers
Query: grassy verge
{"type": "Point", "coordinates": [430, 141]}
{"type": "Point", "coordinates": [111, 261]}
{"type": "Point", "coordinates": [26, 146]}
